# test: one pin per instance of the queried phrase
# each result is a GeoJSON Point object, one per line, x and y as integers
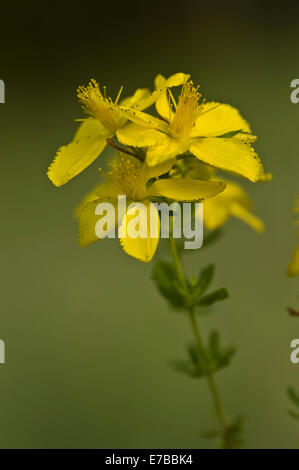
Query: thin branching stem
{"type": "Point", "coordinates": [219, 410]}
{"type": "Point", "coordinates": [122, 149]}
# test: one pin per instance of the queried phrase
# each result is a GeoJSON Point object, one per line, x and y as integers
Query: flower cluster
{"type": "Point", "coordinates": [171, 153]}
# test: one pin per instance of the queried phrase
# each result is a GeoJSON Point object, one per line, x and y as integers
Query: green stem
{"type": "Point", "coordinates": [220, 413]}
{"type": "Point", "coordinates": [219, 410]}
{"type": "Point", "coordinates": [177, 262]}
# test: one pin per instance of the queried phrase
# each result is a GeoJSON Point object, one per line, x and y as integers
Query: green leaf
{"type": "Point", "coordinates": [165, 278]}
{"type": "Point", "coordinates": [205, 278]}
{"type": "Point", "coordinates": [185, 367]}
{"type": "Point", "coordinates": [193, 354]}
{"type": "Point", "coordinates": [209, 360]}
{"type": "Point", "coordinates": [202, 361]}
{"type": "Point", "coordinates": [226, 357]}
{"type": "Point", "coordinates": [222, 358]}
{"type": "Point", "coordinates": [198, 365]}
{"type": "Point", "coordinates": [293, 396]}
{"type": "Point", "coordinates": [216, 296]}
{"type": "Point", "coordinates": [214, 343]}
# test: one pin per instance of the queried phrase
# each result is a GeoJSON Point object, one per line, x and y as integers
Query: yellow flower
{"type": "Point", "coordinates": [232, 202]}
{"type": "Point", "coordinates": [105, 118]}
{"type": "Point", "coordinates": [293, 268]}
{"type": "Point", "coordinates": [215, 133]}
{"type": "Point", "coordinates": [139, 183]}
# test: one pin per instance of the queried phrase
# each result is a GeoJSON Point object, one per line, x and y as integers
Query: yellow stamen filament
{"type": "Point", "coordinates": [118, 94]}
{"type": "Point", "coordinates": [97, 105]}
{"type": "Point", "coordinates": [211, 109]}
{"type": "Point", "coordinates": [172, 98]}
{"type": "Point", "coordinates": [187, 112]}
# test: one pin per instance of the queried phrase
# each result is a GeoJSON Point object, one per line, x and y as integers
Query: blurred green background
{"type": "Point", "coordinates": [88, 338]}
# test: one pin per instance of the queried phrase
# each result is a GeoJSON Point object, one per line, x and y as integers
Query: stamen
{"type": "Point", "coordinates": [110, 178]}
{"type": "Point", "coordinates": [169, 108]}
{"type": "Point", "coordinates": [126, 174]}
{"type": "Point", "coordinates": [172, 98]}
{"type": "Point", "coordinates": [97, 105]}
{"type": "Point", "coordinates": [211, 109]}
{"type": "Point", "coordinates": [118, 95]}
{"type": "Point", "coordinates": [187, 112]}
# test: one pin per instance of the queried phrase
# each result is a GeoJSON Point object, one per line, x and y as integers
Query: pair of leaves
{"type": "Point", "coordinates": [165, 277]}
{"type": "Point", "coordinates": [222, 357]}
{"type": "Point", "coordinates": [205, 279]}
{"type": "Point", "coordinates": [167, 282]}
{"type": "Point", "coordinates": [209, 361]}
{"type": "Point", "coordinates": [216, 296]}
{"type": "Point", "coordinates": [294, 398]}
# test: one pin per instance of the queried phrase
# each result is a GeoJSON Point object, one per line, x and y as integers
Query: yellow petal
{"type": "Point", "coordinates": [235, 193]}
{"type": "Point", "coordinates": [138, 136]}
{"type": "Point", "coordinates": [186, 189]}
{"type": "Point", "coordinates": [87, 223]}
{"type": "Point", "coordinates": [176, 79]}
{"type": "Point", "coordinates": [217, 119]}
{"type": "Point", "coordinates": [147, 101]}
{"type": "Point", "coordinates": [231, 154]}
{"type": "Point", "coordinates": [161, 153]}
{"type": "Point", "coordinates": [70, 160]}
{"type": "Point", "coordinates": [101, 191]}
{"type": "Point", "coordinates": [142, 248]}
{"type": "Point", "coordinates": [233, 201]}
{"type": "Point", "coordinates": [157, 170]}
{"type": "Point", "coordinates": [252, 220]}
{"type": "Point", "coordinates": [141, 118]}
{"type": "Point", "coordinates": [293, 268]}
{"type": "Point", "coordinates": [88, 219]}
{"type": "Point", "coordinates": [161, 83]}
{"type": "Point", "coordinates": [140, 94]}
{"type": "Point", "coordinates": [164, 108]}
{"type": "Point", "coordinates": [214, 214]}
{"type": "Point", "coordinates": [88, 128]}
{"type": "Point", "coordinates": [191, 167]}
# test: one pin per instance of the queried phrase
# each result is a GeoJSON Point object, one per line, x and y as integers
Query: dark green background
{"type": "Point", "coordinates": [88, 339]}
